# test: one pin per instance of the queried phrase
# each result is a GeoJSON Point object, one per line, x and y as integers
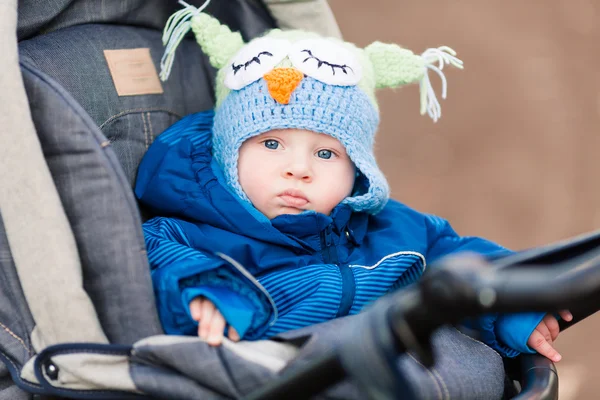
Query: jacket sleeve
{"type": "Point", "coordinates": [505, 333]}
{"type": "Point", "coordinates": [443, 240]}
{"type": "Point", "coordinates": [180, 273]}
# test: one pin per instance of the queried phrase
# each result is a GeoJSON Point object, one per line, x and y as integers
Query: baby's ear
{"type": "Point", "coordinates": [393, 65]}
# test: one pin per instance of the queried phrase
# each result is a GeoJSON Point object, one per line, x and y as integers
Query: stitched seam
{"type": "Point", "coordinates": [437, 385]}
{"type": "Point", "coordinates": [150, 129]}
{"type": "Point", "coordinates": [31, 58]}
{"type": "Point", "coordinates": [11, 333]}
{"type": "Point", "coordinates": [441, 380]}
{"type": "Point", "coordinates": [135, 111]}
{"type": "Point", "coordinates": [20, 321]}
{"type": "Point", "coordinates": [26, 383]}
{"type": "Point", "coordinates": [145, 131]}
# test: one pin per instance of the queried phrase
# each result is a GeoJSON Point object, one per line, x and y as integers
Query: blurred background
{"type": "Point", "coordinates": [514, 156]}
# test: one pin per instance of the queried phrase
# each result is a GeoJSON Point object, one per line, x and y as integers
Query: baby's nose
{"type": "Point", "coordinates": [298, 171]}
{"type": "Point", "coordinates": [282, 82]}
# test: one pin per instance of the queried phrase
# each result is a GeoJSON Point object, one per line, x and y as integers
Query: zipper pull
{"type": "Point", "coordinates": [350, 236]}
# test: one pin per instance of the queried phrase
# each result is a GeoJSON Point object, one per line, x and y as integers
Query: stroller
{"type": "Point", "coordinates": [77, 313]}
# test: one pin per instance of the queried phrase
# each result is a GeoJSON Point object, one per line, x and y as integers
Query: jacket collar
{"type": "Point", "coordinates": [218, 206]}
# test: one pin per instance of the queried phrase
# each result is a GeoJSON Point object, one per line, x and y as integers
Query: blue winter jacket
{"type": "Point", "coordinates": [269, 276]}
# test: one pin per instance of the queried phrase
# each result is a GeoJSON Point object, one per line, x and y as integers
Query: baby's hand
{"type": "Point", "coordinates": [211, 323]}
{"type": "Point", "coordinates": [545, 334]}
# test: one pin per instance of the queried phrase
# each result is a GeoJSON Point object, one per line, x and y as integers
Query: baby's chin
{"type": "Point", "coordinates": [284, 211]}
{"type": "Point", "coordinates": [274, 213]}
{"type": "Point", "coordinates": [291, 211]}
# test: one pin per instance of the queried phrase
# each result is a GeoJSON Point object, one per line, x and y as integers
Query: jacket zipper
{"type": "Point", "coordinates": [329, 254]}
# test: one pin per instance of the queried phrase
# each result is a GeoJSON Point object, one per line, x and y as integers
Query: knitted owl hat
{"type": "Point", "coordinates": [298, 79]}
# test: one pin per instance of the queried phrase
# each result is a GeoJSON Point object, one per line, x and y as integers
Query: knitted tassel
{"type": "Point", "coordinates": [442, 55]}
{"type": "Point", "coordinates": [178, 25]}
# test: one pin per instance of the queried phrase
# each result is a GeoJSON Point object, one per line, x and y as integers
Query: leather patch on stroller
{"type": "Point", "coordinates": [133, 71]}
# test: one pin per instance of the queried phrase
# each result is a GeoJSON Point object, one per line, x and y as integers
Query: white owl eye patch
{"type": "Point", "coordinates": [320, 59]}
{"type": "Point", "coordinates": [320, 62]}
{"type": "Point", "coordinates": [255, 59]}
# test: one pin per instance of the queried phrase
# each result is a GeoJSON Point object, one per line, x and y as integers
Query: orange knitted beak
{"type": "Point", "coordinates": [282, 82]}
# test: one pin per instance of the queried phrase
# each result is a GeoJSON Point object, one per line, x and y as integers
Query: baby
{"type": "Point", "coordinates": [274, 213]}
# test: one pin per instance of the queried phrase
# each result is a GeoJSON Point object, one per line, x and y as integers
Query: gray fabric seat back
{"type": "Point", "coordinates": [93, 140]}
{"type": "Point", "coordinates": [73, 56]}
{"type": "Point", "coordinates": [83, 124]}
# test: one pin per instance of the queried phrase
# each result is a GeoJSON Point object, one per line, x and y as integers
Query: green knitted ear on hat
{"type": "Point", "coordinates": [394, 66]}
{"type": "Point", "coordinates": [216, 40]}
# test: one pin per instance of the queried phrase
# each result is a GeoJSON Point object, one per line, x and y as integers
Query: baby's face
{"type": "Point", "coordinates": [288, 171]}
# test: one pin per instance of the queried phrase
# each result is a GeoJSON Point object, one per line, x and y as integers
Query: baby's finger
{"type": "Point", "coordinates": [196, 308]}
{"type": "Point", "coordinates": [208, 309]}
{"type": "Point", "coordinates": [539, 343]}
{"type": "Point", "coordinates": [233, 335]}
{"type": "Point", "coordinates": [217, 326]}
{"type": "Point", "coordinates": [566, 315]}
{"type": "Point", "coordinates": [552, 325]}
{"type": "Point", "coordinates": [543, 329]}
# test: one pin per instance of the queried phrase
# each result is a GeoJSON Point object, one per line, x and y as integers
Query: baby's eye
{"type": "Point", "coordinates": [325, 154]}
{"type": "Point", "coordinates": [271, 144]}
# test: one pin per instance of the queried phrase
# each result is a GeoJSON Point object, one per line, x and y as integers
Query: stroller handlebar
{"type": "Point", "coordinates": [465, 285]}
{"type": "Point", "coordinates": [453, 289]}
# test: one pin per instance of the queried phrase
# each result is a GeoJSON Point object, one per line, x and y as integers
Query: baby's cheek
{"type": "Point", "coordinates": [331, 198]}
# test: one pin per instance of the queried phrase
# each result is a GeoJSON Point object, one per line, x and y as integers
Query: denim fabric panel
{"type": "Point", "coordinates": [216, 369]}
{"type": "Point", "coordinates": [131, 133]}
{"type": "Point", "coordinates": [318, 339]}
{"type": "Point", "coordinates": [465, 368]}
{"type": "Point", "coordinates": [74, 57]}
{"type": "Point", "coordinates": [101, 209]}
{"type": "Point", "coordinates": [129, 122]}
{"type": "Point", "coordinates": [9, 391]}
{"type": "Point", "coordinates": [248, 16]}
{"type": "Point", "coordinates": [46, 16]}
{"type": "Point", "coordinates": [16, 322]}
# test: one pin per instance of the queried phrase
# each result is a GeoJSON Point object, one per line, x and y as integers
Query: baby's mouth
{"type": "Point", "coordinates": [294, 198]}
